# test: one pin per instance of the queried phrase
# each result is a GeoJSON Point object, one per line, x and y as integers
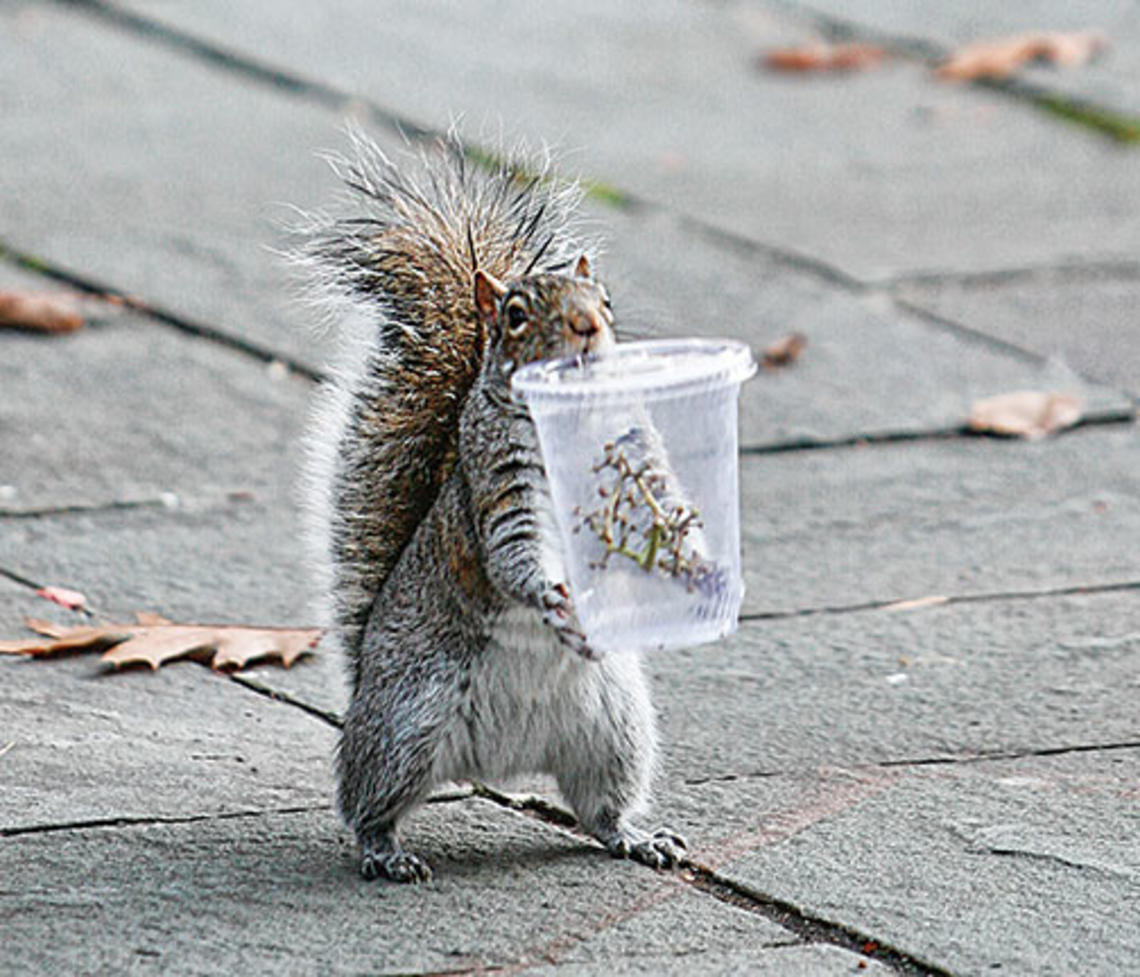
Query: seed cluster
{"type": "Point", "coordinates": [632, 522]}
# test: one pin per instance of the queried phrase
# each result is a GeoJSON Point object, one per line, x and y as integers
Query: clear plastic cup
{"type": "Point", "coordinates": [640, 449]}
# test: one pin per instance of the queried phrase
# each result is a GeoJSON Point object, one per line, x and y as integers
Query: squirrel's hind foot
{"type": "Point", "coordinates": [397, 866]}
{"type": "Point", "coordinates": [662, 849]}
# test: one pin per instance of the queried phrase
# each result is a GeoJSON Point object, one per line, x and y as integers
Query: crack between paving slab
{"type": "Point", "coordinates": [20, 579]}
{"type": "Point", "coordinates": [241, 63]}
{"type": "Point", "coordinates": [184, 324]}
{"type": "Point", "coordinates": [1038, 856]}
{"type": "Point", "coordinates": [82, 508]}
{"type": "Point", "coordinates": [1005, 755]}
{"type": "Point", "coordinates": [1075, 590]}
{"type": "Point", "coordinates": [127, 821]}
{"type": "Point", "coordinates": [750, 247]}
{"type": "Point", "coordinates": [728, 778]}
{"type": "Point", "coordinates": [1005, 347]}
{"type": "Point", "coordinates": [968, 333]}
{"type": "Point", "coordinates": [811, 929]}
{"type": "Point", "coordinates": [1094, 419]}
{"type": "Point", "coordinates": [940, 760]}
{"type": "Point", "coordinates": [171, 502]}
{"type": "Point", "coordinates": [695, 876]}
{"type": "Point", "coordinates": [324, 715]}
{"type": "Point", "coordinates": [462, 972]}
{"type": "Point", "coordinates": [1104, 270]}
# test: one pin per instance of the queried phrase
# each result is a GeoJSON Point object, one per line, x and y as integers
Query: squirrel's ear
{"type": "Point", "coordinates": [582, 268]}
{"type": "Point", "coordinates": [488, 291]}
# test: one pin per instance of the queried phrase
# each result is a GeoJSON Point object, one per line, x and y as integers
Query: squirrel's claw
{"type": "Point", "coordinates": [399, 866]}
{"type": "Point", "coordinates": [558, 613]}
{"type": "Point", "coordinates": [556, 598]}
{"type": "Point", "coordinates": [573, 640]}
{"type": "Point", "coordinates": [662, 849]}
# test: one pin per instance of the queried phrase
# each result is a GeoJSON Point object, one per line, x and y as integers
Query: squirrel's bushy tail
{"type": "Point", "coordinates": [401, 269]}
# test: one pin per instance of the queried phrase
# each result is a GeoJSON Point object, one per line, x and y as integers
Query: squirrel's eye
{"type": "Point", "coordinates": [516, 319]}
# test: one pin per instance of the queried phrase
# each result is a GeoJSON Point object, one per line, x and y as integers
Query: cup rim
{"type": "Point", "coordinates": [663, 367]}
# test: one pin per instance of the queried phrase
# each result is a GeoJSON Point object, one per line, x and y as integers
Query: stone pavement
{"type": "Point", "coordinates": [949, 788]}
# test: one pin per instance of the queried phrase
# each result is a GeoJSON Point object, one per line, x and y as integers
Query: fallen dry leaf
{"type": "Point", "coordinates": [154, 641]}
{"type": "Point", "coordinates": [73, 600]}
{"type": "Point", "coordinates": [41, 311]}
{"type": "Point", "coordinates": [825, 57]}
{"type": "Point", "coordinates": [1025, 413]}
{"type": "Point", "coordinates": [784, 351]}
{"type": "Point", "coordinates": [1001, 58]}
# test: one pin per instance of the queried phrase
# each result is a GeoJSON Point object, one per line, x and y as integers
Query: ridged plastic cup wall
{"type": "Point", "coordinates": [640, 449]}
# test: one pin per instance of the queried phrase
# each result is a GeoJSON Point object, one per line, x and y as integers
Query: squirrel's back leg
{"type": "Point", "coordinates": [379, 781]}
{"type": "Point", "coordinates": [392, 735]}
{"type": "Point", "coordinates": [604, 771]}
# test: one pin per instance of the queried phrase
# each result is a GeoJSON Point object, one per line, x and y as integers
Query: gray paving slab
{"type": "Point", "coordinates": [868, 369]}
{"type": "Point", "coordinates": [680, 928]}
{"type": "Point", "coordinates": [673, 108]}
{"type": "Point", "coordinates": [279, 893]}
{"type": "Point", "coordinates": [1029, 867]}
{"type": "Point", "coordinates": [792, 723]}
{"type": "Point", "coordinates": [129, 411]}
{"type": "Point", "coordinates": [953, 517]}
{"type": "Point", "coordinates": [233, 563]}
{"type": "Point", "coordinates": [83, 745]}
{"type": "Point", "coordinates": [958, 680]}
{"type": "Point", "coordinates": [1086, 320]}
{"type": "Point", "coordinates": [157, 175]}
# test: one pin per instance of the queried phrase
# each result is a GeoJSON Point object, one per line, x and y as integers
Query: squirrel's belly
{"type": "Point", "coordinates": [521, 694]}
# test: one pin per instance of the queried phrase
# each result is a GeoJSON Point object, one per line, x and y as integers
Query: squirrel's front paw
{"type": "Point", "coordinates": [558, 612]}
{"type": "Point", "coordinates": [399, 866]}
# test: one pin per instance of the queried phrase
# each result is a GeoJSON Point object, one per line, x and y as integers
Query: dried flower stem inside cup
{"type": "Point", "coordinates": [633, 521]}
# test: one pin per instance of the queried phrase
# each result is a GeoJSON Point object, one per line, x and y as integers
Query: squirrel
{"type": "Point", "coordinates": [430, 509]}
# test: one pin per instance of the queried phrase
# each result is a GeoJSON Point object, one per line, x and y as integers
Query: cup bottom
{"type": "Point", "coordinates": [617, 629]}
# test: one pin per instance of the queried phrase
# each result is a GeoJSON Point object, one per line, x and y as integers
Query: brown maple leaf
{"type": "Point", "coordinates": [825, 57]}
{"type": "Point", "coordinates": [40, 311]}
{"type": "Point", "coordinates": [1001, 58]}
{"type": "Point", "coordinates": [785, 351]}
{"type": "Point", "coordinates": [154, 641]}
{"type": "Point", "coordinates": [1025, 413]}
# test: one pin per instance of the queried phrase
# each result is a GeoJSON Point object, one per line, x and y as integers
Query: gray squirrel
{"type": "Point", "coordinates": [430, 511]}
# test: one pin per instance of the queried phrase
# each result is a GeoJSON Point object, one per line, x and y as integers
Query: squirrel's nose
{"type": "Point", "coordinates": [585, 324]}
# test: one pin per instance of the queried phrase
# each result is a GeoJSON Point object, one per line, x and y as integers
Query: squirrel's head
{"type": "Point", "coordinates": [543, 316]}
